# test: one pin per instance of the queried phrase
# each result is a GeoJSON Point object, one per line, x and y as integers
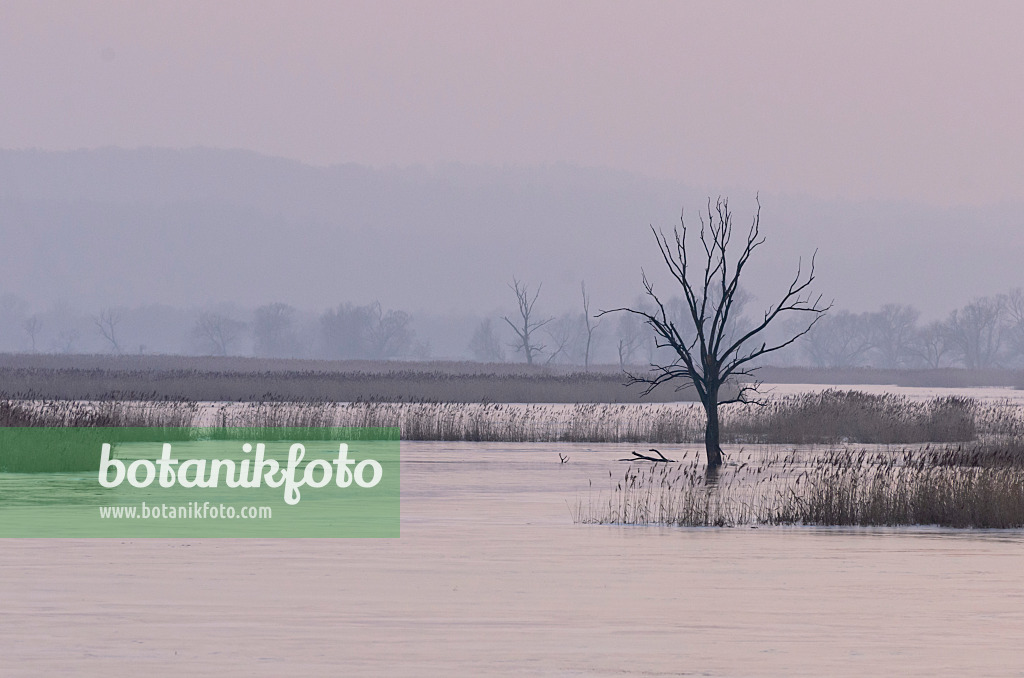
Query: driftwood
{"type": "Point", "coordinates": [661, 458]}
{"type": "Point", "coordinates": [564, 458]}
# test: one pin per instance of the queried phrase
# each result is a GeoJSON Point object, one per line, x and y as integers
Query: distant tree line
{"type": "Point", "coordinates": [346, 332]}
{"type": "Point", "coordinates": [988, 332]}
{"type": "Point", "coordinates": [277, 330]}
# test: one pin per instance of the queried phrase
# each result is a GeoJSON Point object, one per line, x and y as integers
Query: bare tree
{"type": "Point", "coordinates": [273, 331]}
{"type": "Point", "coordinates": [629, 329]}
{"type": "Point", "coordinates": [485, 345]}
{"type": "Point", "coordinates": [712, 357]}
{"type": "Point", "coordinates": [588, 324]}
{"type": "Point", "coordinates": [368, 332]}
{"type": "Point", "coordinates": [107, 322]}
{"type": "Point", "coordinates": [1015, 323]}
{"type": "Point", "coordinates": [526, 324]}
{"type": "Point", "coordinates": [32, 326]}
{"type": "Point", "coordinates": [345, 331]}
{"type": "Point", "coordinates": [564, 333]}
{"type": "Point", "coordinates": [217, 333]}
{"type": "Point", "coordinates": [974, 332]}
{"type": "Point", "coordinates": [930, 345]}
{"type": "Point", "coordinates": [891, 333]}
{"type": "Point", "coordinates": [390, 332]}
{"type": "Point", "coordinates": [66, 338]}
{"type": "Point", "coordinates": [839, 340]}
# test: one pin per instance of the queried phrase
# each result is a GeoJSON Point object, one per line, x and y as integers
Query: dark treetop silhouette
{"type": "Point", "coordinates": [711, 348]}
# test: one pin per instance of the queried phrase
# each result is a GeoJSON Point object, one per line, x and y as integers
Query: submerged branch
{"type": "Point", "coordinates": [661, 458]}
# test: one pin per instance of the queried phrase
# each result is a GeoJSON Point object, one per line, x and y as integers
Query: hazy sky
{"type": "Point", "coordinates": [920, 101]}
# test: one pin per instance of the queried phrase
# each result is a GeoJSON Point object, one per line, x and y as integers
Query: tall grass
{"type": "Point", "coordinates": [949, 496]}
{"type": "Point", "coordinates": [929, 486]}
{"type": "Point", "coordinates": [826, 418]}
{"type": "Point", "coordinates": [829, 417]}
{"type": "Point", "coordinates": [835, 416]}
{"type": "Point", "coordinates": [832, 417]}
{"type": "Point", "coordinates": [65, 413]}
{"type": "Point", "coordinates": [57, 452]}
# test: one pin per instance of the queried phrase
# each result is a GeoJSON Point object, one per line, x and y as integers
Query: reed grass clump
{"type": "Point", "coordinates": [948, 496]}
{"type": "Point", "coordinates": [669, 494]}
{"type": "Point", "coordinates": [947, 486]}
{"type": "Point", "coordinates": [835, 416]}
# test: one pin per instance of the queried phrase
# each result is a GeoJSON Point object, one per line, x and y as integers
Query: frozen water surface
{"type": "Point", "coordinates": [491, 578]}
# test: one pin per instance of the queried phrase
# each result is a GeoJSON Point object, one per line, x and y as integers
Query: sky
{"type": "Point", "coordinates": [911, 101]}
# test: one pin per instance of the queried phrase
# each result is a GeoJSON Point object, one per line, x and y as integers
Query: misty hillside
{"type": "Point", "coordinates": [200, 226]}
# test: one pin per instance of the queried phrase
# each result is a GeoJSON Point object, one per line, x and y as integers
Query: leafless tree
{"type": "Point", "coordinates": [527, 323]}
{"type": "Point", "coordinates": [629, 329]}
{"type": "Point", "coordinates": [930, 345]}
{"type": "Point", "coordinates": [32, 326]}
{"type": "Point", "coordinates": [367, 332]}
{"type": "Point", "coordinates": [345, 331]}
{"type": "Point", "coordinates": [107, 322]}
{"type": "Point", "coordinates": [974, 332]}
{"type": "Point", "coordinates": [390, 333]}
{"type": "Point", "coordinates": [839, 340]}
{"type": "Point", "coordinates": [273, 331]}
{"type": "Point", "coordinates": [712, 358]}
{"type": "Point", "coordinates": [66, 338]}
{"type": "Point", "coordinates": [589, 325]}
{"type": "Point", "coordinates": [1015, 324]}
{"type": "Point", "coordinates": [564, 333]}
{"type": "Point", "coordinates": [217, 333]}
{"type": "Point", "coordinates": [485, 345]}
{"type": "Point", "coordinates": [891, 332]}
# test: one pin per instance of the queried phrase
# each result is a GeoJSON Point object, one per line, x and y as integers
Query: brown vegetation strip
{"type": "Point", "coordinates": [979, 487]}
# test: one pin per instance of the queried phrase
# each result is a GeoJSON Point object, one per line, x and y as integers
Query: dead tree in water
{"type": "Point", "coordinates": [711, 349]}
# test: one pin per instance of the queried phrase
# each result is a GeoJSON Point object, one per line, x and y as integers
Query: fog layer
{"type": "Point", "coordinates": [198, 227]}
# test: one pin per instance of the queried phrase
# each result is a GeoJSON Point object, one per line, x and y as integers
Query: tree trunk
{"type": "Point", "coordinates": [711, 433]}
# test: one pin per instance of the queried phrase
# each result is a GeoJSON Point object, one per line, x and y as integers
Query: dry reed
{"type": "Point", "coordinates": [947, 486]}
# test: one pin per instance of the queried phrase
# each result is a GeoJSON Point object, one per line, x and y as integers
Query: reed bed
{"type": "Point", "coordinates": [63, 453]}
{"type": "Point", "coordinates": [831, 417]}
{"type": "Point", "coordinates": [835, 416]}
{"type": "Point", "coordinates": [824, 418]}
{"type": "Point", "coordinates": [946, 486]}
{"type": "Point", "coordinates": [67, 413]}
